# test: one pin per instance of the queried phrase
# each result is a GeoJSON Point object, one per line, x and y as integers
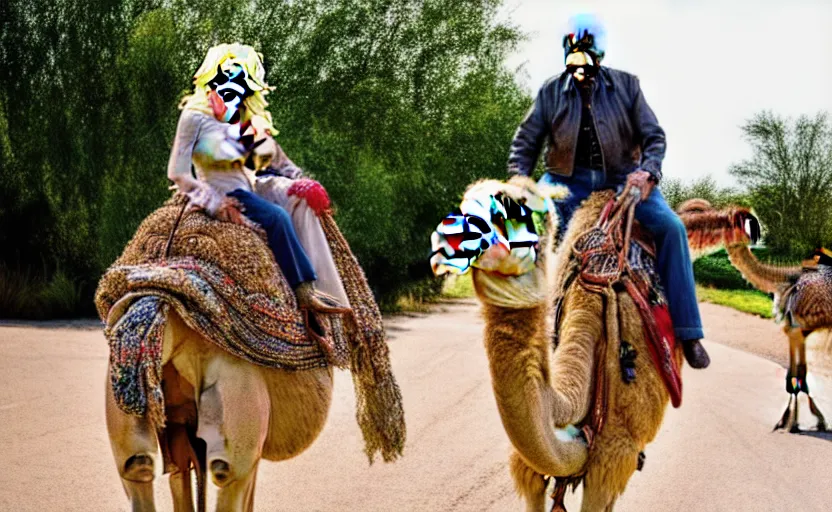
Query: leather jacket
{"type": "Point", "coordinates": [627, 129]}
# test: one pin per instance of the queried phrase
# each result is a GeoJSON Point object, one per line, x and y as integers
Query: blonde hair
{"type": "Point", "coordinates": [252, 62]}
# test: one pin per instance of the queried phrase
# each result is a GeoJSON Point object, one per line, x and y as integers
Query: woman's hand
{"type": "Point", "coordinates": [202, 195]}
{"type": "Point", "coordinates": [312, 192]}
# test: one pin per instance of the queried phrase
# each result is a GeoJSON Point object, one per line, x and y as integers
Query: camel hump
{"type": "Point", "coordinates": [694, 205]}
{"type": "Point", "coordinates": [239, 251]}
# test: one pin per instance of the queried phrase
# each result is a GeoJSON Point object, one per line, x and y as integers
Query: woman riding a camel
{"type": "Point", "coordinates": [225, 127]}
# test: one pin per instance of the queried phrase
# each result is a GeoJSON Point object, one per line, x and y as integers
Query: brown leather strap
{"type": "Point", "coordinates": [169, 243]}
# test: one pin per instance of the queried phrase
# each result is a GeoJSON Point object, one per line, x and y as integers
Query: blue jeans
{"type": "Point", "coordinates": [674, 263]}
{"type": "Point", "coordinates": [283, 241]}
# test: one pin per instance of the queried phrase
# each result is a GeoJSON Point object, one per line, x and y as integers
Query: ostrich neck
{"type": "Point", "coordinates": [766, 278]}
{"type": "Point", "coordinates": [518, 352]}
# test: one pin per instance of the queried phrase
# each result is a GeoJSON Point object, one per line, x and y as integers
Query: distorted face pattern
{"type": "Point", "coordinates": [583, 47]}
{"type": "Point", "coordinates": [492, 232]}
{"type": "Point", "coordinates": [824, 256]}
{"type": "Point", "coordinates": [228, 90]}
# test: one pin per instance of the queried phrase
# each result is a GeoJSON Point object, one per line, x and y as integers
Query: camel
{"type": "Point", "coordinates": [802, 295]}
{"type": "Point", "coordinates": [245, 413]}
{"type": "Point", "coordinates": [542, 395]}
{"type": "Point", "coordinates": [220, 372]}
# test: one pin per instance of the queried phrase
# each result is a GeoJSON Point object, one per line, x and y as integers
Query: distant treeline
{"type": "Point", "coordinates": [395, 106]}
{"type": "Point", "coordinates": [787, 181]}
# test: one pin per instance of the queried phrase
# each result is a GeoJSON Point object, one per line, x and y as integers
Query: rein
{"type": "Point", "coordinates": [169, 243]}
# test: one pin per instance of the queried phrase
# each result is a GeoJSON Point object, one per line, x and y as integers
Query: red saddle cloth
{"type": "Point", "coordinates": [617, 252]}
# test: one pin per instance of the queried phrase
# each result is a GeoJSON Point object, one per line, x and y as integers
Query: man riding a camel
{"type": "Point", "coordinates": [600, 133]}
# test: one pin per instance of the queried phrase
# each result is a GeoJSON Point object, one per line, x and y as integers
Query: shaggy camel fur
{"type": "Point", "coordinates": [246, 413]}
{"type": "Point", "coordinates": [803, 294]}
{"type": "Point", "coordinates": [538, 392]}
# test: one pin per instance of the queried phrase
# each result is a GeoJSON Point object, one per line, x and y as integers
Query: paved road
{"type": "Point", "coordinates": [716, 453]}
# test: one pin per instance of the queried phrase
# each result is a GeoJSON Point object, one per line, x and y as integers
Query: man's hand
{"type": "Point", "coordinates": [643, 181]}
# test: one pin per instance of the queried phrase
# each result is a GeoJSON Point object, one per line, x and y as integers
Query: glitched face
{"type": "Point", "coordinates": [228, 90]}
{"type": "Point", "coordinates": [581, 60]}
{"type": "Point", "coordinates": [584, 46]}
{"type": "Point", "coordinates": [498, 229]}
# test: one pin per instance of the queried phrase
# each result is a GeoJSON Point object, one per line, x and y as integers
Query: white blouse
{"type": "Point", "coordinates": [211, 146]}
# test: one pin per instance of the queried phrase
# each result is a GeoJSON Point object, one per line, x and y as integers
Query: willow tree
{"type": "Point", "coordinates": [789, 179]}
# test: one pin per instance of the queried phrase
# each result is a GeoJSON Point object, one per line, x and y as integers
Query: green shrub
{"type": "Point", "coordinates": [393, 106]}
{"type": "Point", "coordinates": [716, 271]}
{"type": "Point", "coordinates": [24, 294]}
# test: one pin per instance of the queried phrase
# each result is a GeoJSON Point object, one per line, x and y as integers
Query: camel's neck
{"type": "Point", "coordinates": [766, 278]}
{"type": "Point", "coordinates": [518, 349]}
{"type": "Point", "coordinates": [515, 334]}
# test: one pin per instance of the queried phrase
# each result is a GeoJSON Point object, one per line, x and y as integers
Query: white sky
{"type": "Point", "coordinates": [705, 65]}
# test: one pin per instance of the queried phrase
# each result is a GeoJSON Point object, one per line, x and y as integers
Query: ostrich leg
{"type": "Point", "coordinates": [804, 385]}
{"type": "Point", "coordinates": [793, 382]}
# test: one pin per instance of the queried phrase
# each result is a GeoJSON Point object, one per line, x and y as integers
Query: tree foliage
{"type": "Point", "coordinates": [676, 192]}
{"type": "Point", "coordinates": [394, 106]}
{"type": "Point", "coordinates": [789, 179]}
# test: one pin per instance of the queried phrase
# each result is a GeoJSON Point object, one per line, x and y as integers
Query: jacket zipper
{"type": "Point", "coordinates": [578, 133]}
{"type": "Point", "coordinates": [597, 133]}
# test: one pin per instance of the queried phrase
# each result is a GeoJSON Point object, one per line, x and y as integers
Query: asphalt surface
{"type": "Point", "coordinates": [716, 452]}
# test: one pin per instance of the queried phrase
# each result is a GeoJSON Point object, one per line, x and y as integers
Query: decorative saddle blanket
{"type": "Point", "coordinates": [617, 253]}
{"type": "Point", "coordinates": [222, 280]}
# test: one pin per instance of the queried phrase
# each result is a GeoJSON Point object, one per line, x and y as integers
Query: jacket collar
{"type": "Point", "coordinates": [603, 75]}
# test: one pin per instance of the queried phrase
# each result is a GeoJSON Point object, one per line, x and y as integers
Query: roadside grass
{"type": "Point", "coordinates": [747, 301]}
{"type": "Point", "coordinates": [420, 301]}
{"type": "Point", "coordinates": [409, 303]}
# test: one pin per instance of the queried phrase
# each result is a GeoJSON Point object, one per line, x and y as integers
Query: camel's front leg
{"type": "Point", "coordinates": [528, 483]}
{"type": "Point", "coordinates": [233, 422]}
{"type": "Point", "coordinates": [133, 441]}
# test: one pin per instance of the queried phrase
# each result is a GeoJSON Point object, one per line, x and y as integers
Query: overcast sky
{"type": "Point", "coordinates": [705, 65]}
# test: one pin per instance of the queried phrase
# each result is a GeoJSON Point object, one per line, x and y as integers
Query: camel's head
{"type": "Point", "coordinates": [503, 230]}
{"type": "Point", "coordinates": [710, 229]}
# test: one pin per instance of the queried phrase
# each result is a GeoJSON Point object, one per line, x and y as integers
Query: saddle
{"type": "Point", "coordinates": [223, 280]}
{"type": "Point", "coordinates": [616, 255]}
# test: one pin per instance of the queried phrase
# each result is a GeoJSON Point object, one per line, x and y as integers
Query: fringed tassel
{"type": "Point", "coordinates": [136, 359]}
{"type": "Point", "coordinates": [379, 410]}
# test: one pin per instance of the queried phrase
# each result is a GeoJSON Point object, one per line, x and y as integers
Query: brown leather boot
{"type": "Point", "coordinates": [316, 300]}
{"type": "Point", "coordinates": [695, 354]}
